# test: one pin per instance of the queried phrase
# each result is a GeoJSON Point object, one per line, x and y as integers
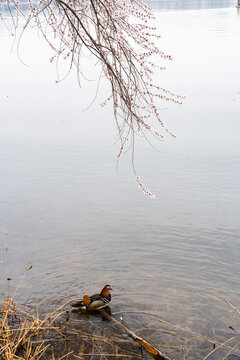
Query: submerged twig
{"type": "Point", "coordinates": [155, 353]}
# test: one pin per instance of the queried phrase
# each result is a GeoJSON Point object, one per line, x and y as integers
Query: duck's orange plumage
{"type": "Point", "coordinates": [86, 300]}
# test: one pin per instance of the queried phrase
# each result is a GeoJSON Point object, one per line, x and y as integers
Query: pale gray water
{"type": "Point", "coordinates": [174, 5]}
{"type": "Point", "coordinates": [64, 207]}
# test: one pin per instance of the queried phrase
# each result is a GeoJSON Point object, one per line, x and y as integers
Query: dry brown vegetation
{"type": "Point", "coordinates": [77, 334]}
{"type": "Point", "coordinates": [34, 337]}
{"type": "Point", "coordinates": [26, 336]}
{"type": "Point", "coordinates": [59, 335]}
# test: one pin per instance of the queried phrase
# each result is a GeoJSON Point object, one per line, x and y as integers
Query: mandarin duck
{"type": "Point", "coordinates": [96, 301]}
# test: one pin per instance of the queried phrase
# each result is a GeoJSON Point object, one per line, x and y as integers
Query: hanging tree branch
{"type": "Point", "coordinates": [118, 34]}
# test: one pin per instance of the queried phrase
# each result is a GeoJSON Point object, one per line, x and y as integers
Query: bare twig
{"type": "Point", "coordinates": [155, 353]}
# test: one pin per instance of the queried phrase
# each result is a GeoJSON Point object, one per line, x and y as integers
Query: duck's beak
{"type": "Point", "coordinates": [110, 288]}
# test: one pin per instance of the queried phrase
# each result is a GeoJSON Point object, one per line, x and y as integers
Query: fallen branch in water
{"type": "Point", "coordinates": [155, 353]}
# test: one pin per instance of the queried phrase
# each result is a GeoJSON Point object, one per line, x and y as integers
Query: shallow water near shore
{"type": "Point", "coordinates": [81, 224]}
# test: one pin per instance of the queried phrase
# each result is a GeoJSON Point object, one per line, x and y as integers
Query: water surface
{"type": "Point", "coordinates": [65, 209]}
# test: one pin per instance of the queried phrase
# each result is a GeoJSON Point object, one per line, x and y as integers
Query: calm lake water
{"type": "Point", "coordinates": [82, 224]}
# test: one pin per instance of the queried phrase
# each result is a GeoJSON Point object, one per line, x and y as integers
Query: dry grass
{"type": "Point", "coordinates": [25, 336]}
{"type": "Point", "coordinates": [61, 334]}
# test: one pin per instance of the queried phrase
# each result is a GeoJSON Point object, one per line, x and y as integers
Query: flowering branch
{"type": "Point", "coordinates": [118, 34]}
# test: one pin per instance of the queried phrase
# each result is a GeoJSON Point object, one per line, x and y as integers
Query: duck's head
{"type": "Point", "coordinates": [106, 290]}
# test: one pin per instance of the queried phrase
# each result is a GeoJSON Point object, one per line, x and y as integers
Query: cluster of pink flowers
{"type": "Point", "coordinates": [144, 189]}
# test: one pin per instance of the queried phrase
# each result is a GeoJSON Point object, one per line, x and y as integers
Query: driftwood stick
{"type": "Point", "coordinates": [156, 354]}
